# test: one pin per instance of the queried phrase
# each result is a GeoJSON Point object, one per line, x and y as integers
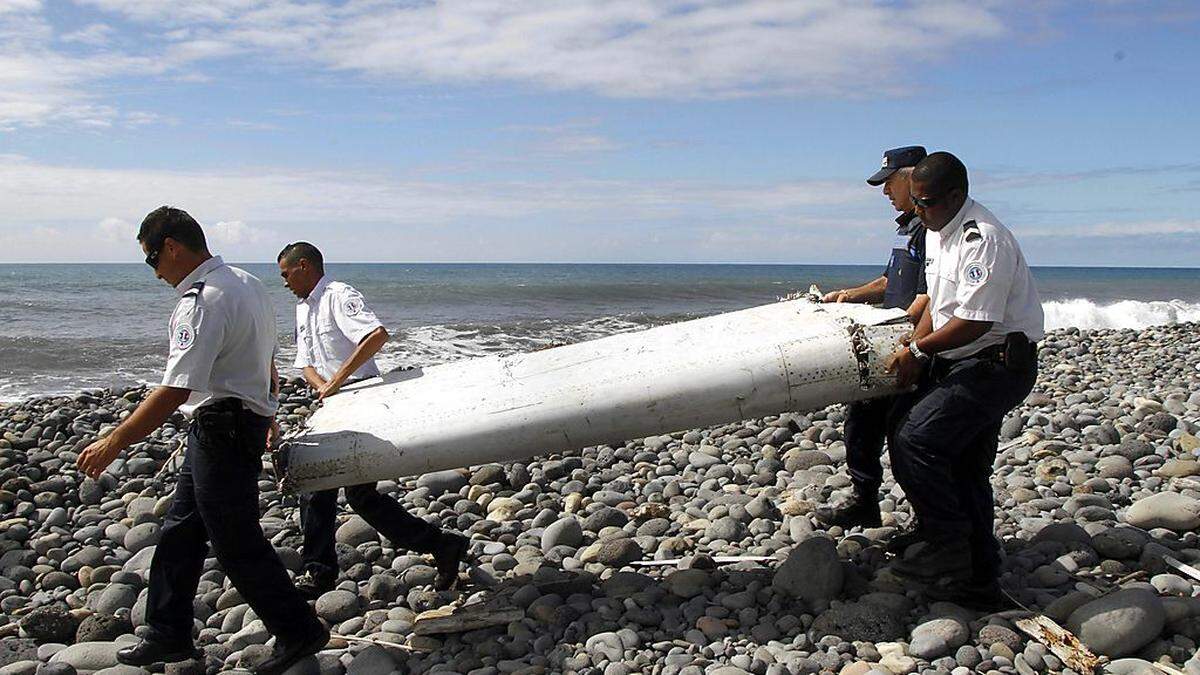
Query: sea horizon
{"type": "Point", "coordinates": [58, 333]}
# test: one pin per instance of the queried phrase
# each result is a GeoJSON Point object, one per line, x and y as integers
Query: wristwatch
{"type": "Point", "coordinates": [916, 351]}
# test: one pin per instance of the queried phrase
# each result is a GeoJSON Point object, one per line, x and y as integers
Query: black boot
{"type": "Point", "coordinates": [862, 508]}
{"type": "Point", "coordinates": [984, 596]}
{"type": "Point", "coordinates": [937, 560]}
{"type": "Point", "coordinates": [287, 655]}
{"type": "Point", "coordinates": [451, 551]}
{"type": "Point", "coordinates": [899, 543]}
{"type": "Point", "coordinates": [313, 585]}
{"type": "Point", "coordinates": [148, 652]}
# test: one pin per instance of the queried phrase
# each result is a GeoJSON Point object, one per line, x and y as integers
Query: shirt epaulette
{"type": "Point", "coordinates": [971, 231]}
{"type": "Point", "coordinates": [194, 290]}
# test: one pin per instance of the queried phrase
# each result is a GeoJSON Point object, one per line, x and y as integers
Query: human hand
{"type": "Point", "coordinates": [273, 434]}
{"type": "Point", "coordinates": [906, 367]}
{"type": "Point", "coordinates": [96, 457]}
{"type": "Point", "coordinates": [328, 389]}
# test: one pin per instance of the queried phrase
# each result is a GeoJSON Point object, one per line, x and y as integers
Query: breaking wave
{"type": "Point", "coordinates": [1084, 313]}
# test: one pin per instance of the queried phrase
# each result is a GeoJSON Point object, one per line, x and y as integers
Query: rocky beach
{"type": "Point", "coordinates": [1097, 489]}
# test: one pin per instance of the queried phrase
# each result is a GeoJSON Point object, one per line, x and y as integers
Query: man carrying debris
{"type": "Point", "coordinates": [902, 285]}
{"type": "Point", "coordinates": [974, 358]}
{"type": "Point", "coordinates": [223, 344]}
{"type": "Point", "coordinates": [337, 337]}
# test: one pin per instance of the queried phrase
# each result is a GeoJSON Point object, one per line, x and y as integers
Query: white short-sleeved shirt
{"type": "Point", "coordinates": [975, 270]}
{"type": "Point", "coordinates": [223, 338]}
{"type": "Point", "coordinates": [330, 323]}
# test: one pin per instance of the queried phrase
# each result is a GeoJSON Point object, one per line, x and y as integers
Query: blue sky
{"type": "Point", "coordinates": [605, 131]}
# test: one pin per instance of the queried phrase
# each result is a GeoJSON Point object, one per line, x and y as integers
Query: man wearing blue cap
{"type": "Point", "coordinates": [902, 285]}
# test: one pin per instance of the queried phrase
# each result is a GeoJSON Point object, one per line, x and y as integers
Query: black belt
{"type": "Point", "coordinates": [1019, 349]}
{"type": "Point", "coordinates": [228, 405]}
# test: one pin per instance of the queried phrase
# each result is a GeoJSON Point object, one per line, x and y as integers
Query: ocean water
{"type": "Point", "coordinates": [69, 327]}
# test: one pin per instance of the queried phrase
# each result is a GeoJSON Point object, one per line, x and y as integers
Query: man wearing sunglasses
{"type": "Point", "coordinates": [902, 285]}
{"type": "Point", "coordinates": [337, 337]}
{"type": "Point", "coordinates": [221, 364]}
{"type": "Point", "coordinates": [973, 358]}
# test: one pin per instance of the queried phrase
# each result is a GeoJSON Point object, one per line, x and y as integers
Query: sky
{"type": "Point", "coordinates": [593, 131]}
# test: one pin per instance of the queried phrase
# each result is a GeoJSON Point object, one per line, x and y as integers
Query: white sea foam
{"type": "Point", "coordinates": [1084, 313]}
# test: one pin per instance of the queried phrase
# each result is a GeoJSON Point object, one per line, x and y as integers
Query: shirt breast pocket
{"type": "Point", "coordinates": [327, 328]}
{"type": "Point", "coordinates": [946, 278]}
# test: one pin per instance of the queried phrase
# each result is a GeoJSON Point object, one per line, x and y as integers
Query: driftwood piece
{"type": "Point", "coordinates": [720, 560]}
{"type": "Point", "coordinates": [375, 641]}
{"type": "Point", "coordinates": [1182, 567]}
{"type": "Point", "coordinates": [453, 619]}
{"type": "Point", "coordinates": [1061, 642]}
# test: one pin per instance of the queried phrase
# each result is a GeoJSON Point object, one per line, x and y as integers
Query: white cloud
{"type": "Point", "coordinates": [16, 6]}
{"type": "Point", "coordinates": [116, 230]}
{"type": "Point", "coordinates": [247, 125]}
{"type": "Point", "coordinates": [96, 35]}
{"type": "Point", "coordinates": [1109, 230]}
{"type": "Point", "coordinates": [622, 48]}
{"type": "Point", "coordinates": [40, 85]}
{"type": "Point", "coordinates": [237, 233]}
{"type": "Point", "coordinates": [253, 210]}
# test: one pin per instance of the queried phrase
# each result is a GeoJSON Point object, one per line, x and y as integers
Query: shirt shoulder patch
{"type": "Point", "coordinates": [352, 305]}
{"type": "Point", "coordinates": [976, 273]}
{"type": "Point", "coordinates": [183, 337]}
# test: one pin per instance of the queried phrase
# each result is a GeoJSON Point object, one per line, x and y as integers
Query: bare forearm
{"type": "Point", "coordinates": [367, 348]}
{"type": "Point", "coordinates": [148, 416]}
{"type": "Point", "coordinates": [313, 378]}
{"type": "Point", "coordinates": [916, 311]}
{"type": "Point", "coordinates": [869, 293]}
{"type": "Point", "coordinates": [956, 333]}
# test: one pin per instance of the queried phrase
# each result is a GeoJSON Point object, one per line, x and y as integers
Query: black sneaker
{"type": "Point", "coordinates": [900, 543]}
{"type": "Point", "coordinates": [451, 551]}
{"type": "Point", "coordinates": [313, 585]}
{"type": "Point", "coordinates": [983, 596]}
{"type": "Point", "coordinates": [936, 560]}
{"type": "Point", "coordinates": [289, 654]}
{"type": "Point", "coordinates": [148, 652]}
{"type": "Point", "coordinates": [857, 510]}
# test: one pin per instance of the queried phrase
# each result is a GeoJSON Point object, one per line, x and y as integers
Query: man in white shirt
{"type": "Point", "coordinates": [337, 337]}
{"type": "Point", "coordinates": [973, 356]}
{"type": "Point", "coordinates": [222, 346]}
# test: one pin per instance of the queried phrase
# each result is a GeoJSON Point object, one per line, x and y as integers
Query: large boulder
{"type": "Point", "coordinates": [1120, 623]}
{"type": "Point", "coordinates": [356, 531]}
{"type": "Point", "coordinates": [53, 623]}
{"type": "Point", "coordinates": [812, 571]}
{"type": "Point", "coordinates": [1165, 509]}
{"type": "Point", "coordinates": [857, 621]}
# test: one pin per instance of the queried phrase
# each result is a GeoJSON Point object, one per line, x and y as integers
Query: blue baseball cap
{"type": "Point", "coordinates": [897, 158]}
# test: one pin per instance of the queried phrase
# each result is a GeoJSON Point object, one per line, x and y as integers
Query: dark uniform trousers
{"type": "Point", "coordinates": [864, 430]}
{"type": "Point", "coordinates": [943, 443]}
{"type": "Point", "coordinates": [318, 519]}
{"type": "Point", "coordinates": [216, 501]}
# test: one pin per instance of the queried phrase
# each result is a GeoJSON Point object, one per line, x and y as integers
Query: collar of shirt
{"type": "Point", "coordinates": [197, 274]}
{"type": "Point", "coordinates": [314, 296]}
{"type": "Point", "coordinates": [957, 221]}
{"type": "Point", "coordinates": [907, 223]}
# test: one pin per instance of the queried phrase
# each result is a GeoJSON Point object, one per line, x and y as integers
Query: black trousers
{"type": "Point", "coordinates": [216, 501]}
{"type": "Point", "coordinates": [864, 431]}
{"type": "Point", "coordinates": [943, 442]}
{"type": "Point", "coordinates": [318, 520]}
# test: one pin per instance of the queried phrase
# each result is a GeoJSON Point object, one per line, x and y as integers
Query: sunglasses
{"type": "Point", "coordinates": [152, 258]}
{"type": "Point", "coordinates": [925, 202]}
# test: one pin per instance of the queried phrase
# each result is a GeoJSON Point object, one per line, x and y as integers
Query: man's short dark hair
{"type": "Point", "coordinates": [293, 253]}
{"type": "Point", "coordinates": [941, 172]}
{"type": "Point", "coordinates": [168, 221]}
